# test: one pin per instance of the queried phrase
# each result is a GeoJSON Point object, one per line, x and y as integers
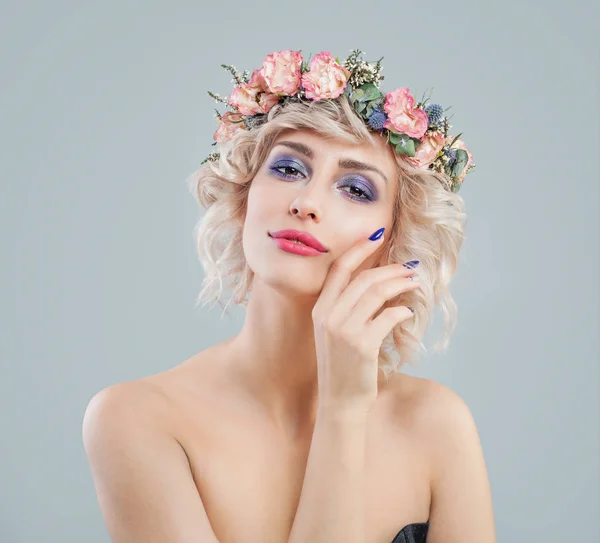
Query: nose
{"type": "Point", "coordinates": [309, 200]}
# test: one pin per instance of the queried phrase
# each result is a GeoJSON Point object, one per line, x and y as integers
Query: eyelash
{"type": "Point", "coordinates": [350, 195]}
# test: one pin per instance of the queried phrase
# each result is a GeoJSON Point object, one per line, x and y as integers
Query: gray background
{"type": "Point", "coordinates": [104, 113]}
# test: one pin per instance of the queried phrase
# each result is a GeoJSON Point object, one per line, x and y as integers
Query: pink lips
{"type": "Point", "coordinates": [291, 234]}
{"type": "Point", "coordinates": [296, 248]}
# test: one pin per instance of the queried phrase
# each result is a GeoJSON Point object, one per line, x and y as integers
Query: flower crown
{"type": "Point", "coordinates": [417, 132]}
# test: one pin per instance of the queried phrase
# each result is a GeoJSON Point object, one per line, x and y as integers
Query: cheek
{"type": "Point", "coordinates": [257, 203]}
{"type": "Point", "coordinates": [266, 207]}
{"type": "Point", "coordinates": [262, 215]}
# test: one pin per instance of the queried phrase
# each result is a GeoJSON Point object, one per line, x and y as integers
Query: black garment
{"type": "Point", "coordinates": [413, 533]}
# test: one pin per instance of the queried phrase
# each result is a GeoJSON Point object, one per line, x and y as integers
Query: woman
{"type": "Point", "coordinates": [301, 428]}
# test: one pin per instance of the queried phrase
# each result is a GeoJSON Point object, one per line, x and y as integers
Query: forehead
{"type": "Point", "coordinates": [318, 142]}
{"type": "Point", "coordinates": [319, 146]}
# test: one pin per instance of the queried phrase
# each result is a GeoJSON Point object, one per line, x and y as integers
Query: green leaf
{"type": "Point", "coordinates": [371, 91]}
{"type": "Point", "coordinates": [395, 137]}
{"type": "Point", "coordinates": [360, 106]}
{"type": "Point", "coordinates": [406, 146]}
{"type": "Point", "coordinates": [462, 158]}
{"type": "Point", "coordinates": [358, 94]}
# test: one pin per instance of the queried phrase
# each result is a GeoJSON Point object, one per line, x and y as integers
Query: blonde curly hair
{"type": "Point", "coordinates": [428, 223]}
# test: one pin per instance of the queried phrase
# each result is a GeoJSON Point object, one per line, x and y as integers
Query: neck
{"type": "Point", "coordinates": [273, 358]}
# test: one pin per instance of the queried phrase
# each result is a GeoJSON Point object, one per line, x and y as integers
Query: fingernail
{"type": "Point", "coordinates": [410, 308]}
{"type": "Point", "coordinates": [411, 264]}
{"type": "Point", "coordinates": [376, 235]}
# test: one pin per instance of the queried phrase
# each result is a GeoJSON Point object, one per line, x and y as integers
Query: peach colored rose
{"type": "Point", "coordinates": [230, 123]}
{"type": "Point", "coordinates": [460, 144]}
{"type": "Point", "coordinates": [402, 115]}
{"type": "Point", "coordinates": [326, 78]}
{"type": "Point", "coordinates": [281, 72]}
{"type": "Point", "coordinates": [252, 97]}
{"type": "Point", "coordinates": [431, 145]}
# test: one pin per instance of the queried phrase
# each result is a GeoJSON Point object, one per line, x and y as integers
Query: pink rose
{"type": "Point", "coordinates": [230, 123]}
{"type": "Point", "coordinates": [402, 115]}
{"type": "Point", "coordinates": [427, 152]}
{"type": "Point", "coordinates": [460, 144]}
{"type": "Point", "coordinates": [252, 97]}
{"type": "Point", "coordinates": [326, 78]}
{"type": "Point", "coordinates": [281, 72]}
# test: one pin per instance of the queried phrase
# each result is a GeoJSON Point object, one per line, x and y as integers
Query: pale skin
{"type": "Point", "coordinates": [286, 432]}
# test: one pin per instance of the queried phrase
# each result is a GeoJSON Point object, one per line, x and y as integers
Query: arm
{"type": "Point", "coordinates": [461, 505]}
{"type": "Point", "coordinates": [142, 475]}
{"type": "Point", "coordinates": [331, 506]}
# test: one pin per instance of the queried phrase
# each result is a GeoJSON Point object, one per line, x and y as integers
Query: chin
{"type": "Point", "coordinates": [291, 279]}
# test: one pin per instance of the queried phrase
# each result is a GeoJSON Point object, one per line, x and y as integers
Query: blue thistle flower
{"type": "Point", "coordinates": [435, 112]}
{"type": "Point", "coordinates": [377, 119]}
{"type": "Point", "coordinates": [451, 153]}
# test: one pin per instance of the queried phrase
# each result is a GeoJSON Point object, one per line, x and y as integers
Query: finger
{"type": "Point", "coordinates": [390, 317]}
{"type": "Point", "coordinates": [340, 272]}
{"type": "Point", "coordinates": [373, 300]}
{"type": "Point", "coordinates": [357, 288]}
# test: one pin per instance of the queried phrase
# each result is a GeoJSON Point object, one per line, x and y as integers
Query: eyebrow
{"type": "Point", "coordinates": [344, 162]}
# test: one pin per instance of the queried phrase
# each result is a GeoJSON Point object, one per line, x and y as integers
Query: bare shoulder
{"type": "Point", "coordinates": [429, 402]}
{"type": "Point", "coordinates": [162, 401]}
{"type": "Point", "coordinates": [137, 398]}
{"type": "Point", "coordinates": [460, 488]}
{"type": "Point", "coordinates": [443, 413]}
{"type": "Point", "coordinates": [436, 416]}
{"type": "Point", "coordinates": [445, 419]}
{"type": "Point", "coordinates": [143, 479]}
{"type": "Point", "coordinates": [443, 398]}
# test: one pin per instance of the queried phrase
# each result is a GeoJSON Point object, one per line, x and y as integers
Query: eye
{"type": "Point", "coordinates": [358, 192]}
{"type": "Point", "coordinates": [363, 194]}
{"type": "Point", "coordinates": [287, 168]}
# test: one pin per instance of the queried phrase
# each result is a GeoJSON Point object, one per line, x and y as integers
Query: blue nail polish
{"type": "Point", "coordinates": [376, 235]}
{"type": "Point", "coordinates": [411, 264]}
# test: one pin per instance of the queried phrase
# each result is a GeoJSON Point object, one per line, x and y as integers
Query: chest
{"type": "Point", "coordinates": [250, 477]}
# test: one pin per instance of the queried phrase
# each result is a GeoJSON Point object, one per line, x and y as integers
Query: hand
{"type": "Point", "coordinates": [347, 337]}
